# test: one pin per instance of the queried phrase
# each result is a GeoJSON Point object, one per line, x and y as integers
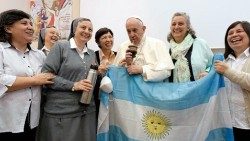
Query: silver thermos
{"type": "Point", "coordinates": [92, 75]}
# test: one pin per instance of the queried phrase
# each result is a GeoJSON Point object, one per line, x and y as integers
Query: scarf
{"type": "Point", "coordinates": [181, 72]}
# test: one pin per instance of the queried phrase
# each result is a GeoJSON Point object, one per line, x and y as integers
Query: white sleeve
{"type": "Point", "coordinates": [161, 63]}
{"type": "Point", "coordinates": [3, 89]}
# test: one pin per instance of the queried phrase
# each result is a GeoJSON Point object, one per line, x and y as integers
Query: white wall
{"type": "Point", "coordinates": [14, 4]}
{"type": "Point", "coordinates": [209, 18]}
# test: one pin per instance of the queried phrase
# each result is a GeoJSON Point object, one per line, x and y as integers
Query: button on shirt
{"type": "Point", "coordinates": [236, 96]}
{"type": "Point", "coordinates": [15, 105]}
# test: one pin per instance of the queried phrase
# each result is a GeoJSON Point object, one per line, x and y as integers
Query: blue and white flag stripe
{"type": "Point", "coordinates": [128, 123]}
{"type": "Point", "coordinates": [175, 96]}
{"type": "Point", "coordinates": [138, 110]}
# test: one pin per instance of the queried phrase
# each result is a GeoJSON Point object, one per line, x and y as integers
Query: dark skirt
{"type": "Point", "coordinates": [241, 134]}
{"type": "Point", "coordinates": [79, 128]}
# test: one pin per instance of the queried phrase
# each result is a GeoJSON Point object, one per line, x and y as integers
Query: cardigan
{"type": "Point", "coordinates": [68, 67]}
{"type": "Point", "coordinates": [243, 79]}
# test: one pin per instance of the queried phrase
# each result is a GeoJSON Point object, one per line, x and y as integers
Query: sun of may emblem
{"type": "Point", "coordinates": [156, 125]}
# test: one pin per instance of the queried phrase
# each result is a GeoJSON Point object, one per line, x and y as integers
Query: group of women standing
{"type": "Point", "coordinates": [193, 59]}
{"type": "Point", "coordinates": [23, 70]}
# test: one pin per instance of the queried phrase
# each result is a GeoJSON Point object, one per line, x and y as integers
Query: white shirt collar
{"type": "Point", "coordinates": [72, 43]}
{"type": "Point", "coordinates": [101, 54]}
{"type": "Point", "coordinates": [45, 48]}
{"type": "Point", "coordinates": [73, 46]}
{"type": "Point", "coordinates": [244, 54]}
{"type": "Point", "coordinates": [142, 42]}
{"type": "Point", "coordinates": [7, 45]}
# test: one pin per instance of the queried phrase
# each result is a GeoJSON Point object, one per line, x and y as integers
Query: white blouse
{"type": "Point", "coordinates": [15, 105]}
{"type": "Point", "coordinates": [236, 97]}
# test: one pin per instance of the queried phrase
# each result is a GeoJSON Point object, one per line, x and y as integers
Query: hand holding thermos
{"type": "Point", "coordinates": [92, 75]}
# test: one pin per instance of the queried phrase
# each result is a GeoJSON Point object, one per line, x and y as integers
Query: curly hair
{"type": "Point", "coordinates": [7, 19]}
{"type": "Point", "coordinates": [190, 31]}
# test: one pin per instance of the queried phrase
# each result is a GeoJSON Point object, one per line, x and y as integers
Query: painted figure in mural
{"type": "Point", "coordinates": [43, 17]}
{"type": "Point", "coordinates": [54, 10]}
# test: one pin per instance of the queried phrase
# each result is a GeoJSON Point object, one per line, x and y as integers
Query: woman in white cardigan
{"type": "Point", "coordinates": [236, 69]}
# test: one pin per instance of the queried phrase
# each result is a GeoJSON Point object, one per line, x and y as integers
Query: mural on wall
{"type": "Point", "coordinates": [56, 13]}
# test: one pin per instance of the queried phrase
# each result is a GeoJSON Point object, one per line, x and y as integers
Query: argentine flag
{"type": "Point", "coordinates": [148, 111]}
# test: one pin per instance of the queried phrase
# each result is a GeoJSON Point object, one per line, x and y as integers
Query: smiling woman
{"type": "Point", "coordinates": [191, 55]}
{"type": "Point", "coordinates": [104, 38]}
{"type": "Point", "coordinates": [47, 38]}
{"type": "Point", "coordinates": [236, 69]}
{"type": "Point", "coordinates": [20, 67]}
{"type": "Point", "coordinates": [70, 61]}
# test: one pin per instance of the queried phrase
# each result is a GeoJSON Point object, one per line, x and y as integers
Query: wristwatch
{"type": "Point", "coordinates": [73, 89]}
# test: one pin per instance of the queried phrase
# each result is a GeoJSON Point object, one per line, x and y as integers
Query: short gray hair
{"type": "Point", "coordinates": [190, 29]}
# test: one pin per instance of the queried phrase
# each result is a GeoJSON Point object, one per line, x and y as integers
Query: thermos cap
{"type": "Point", "coordinates": [94, 67]}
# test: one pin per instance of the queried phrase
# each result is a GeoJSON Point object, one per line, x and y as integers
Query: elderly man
{"type": "Point", "coordinates": [152, 60]}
